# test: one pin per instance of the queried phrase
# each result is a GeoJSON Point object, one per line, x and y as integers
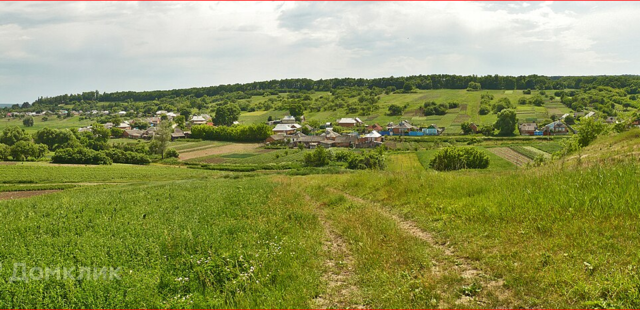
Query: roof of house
{"type": "Point", "coordinates": [346, 121]}
{"type": "Point", "coordinates": [289, 118]}
{"type": "Point", "coordinates": [346, 139]}
{"type": "Point", "coordinates": [133, 132]}
{"type": "Point", "coordinates": [528, 127]}
{"type": "Point", "coordinates": [403, 125]}
{"type": "Point", "coordinates": [311, 139]}
{"type": "Point", "coordinates": [277, 137]}
{"type": "Point", "coordinates": [198, 118]}
{"type": "Point", "coordinates": [373, 134]}
{"type": "Point", "coordinates": [285, 127]}
{"type": "Point", "coordinates": [123, 125]}
{"type": "Point", "coordinates": [330, 134]}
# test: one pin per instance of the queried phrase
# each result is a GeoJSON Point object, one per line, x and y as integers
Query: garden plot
{"type": "Point", "coordinates": [510, 155]}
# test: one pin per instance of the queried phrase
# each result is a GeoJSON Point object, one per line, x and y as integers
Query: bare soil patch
{"type": "Point", "coordinates": [25, 194]}
{"type": "Point", "coordinates": [215, 150]}
{"type": "Point", "coordinates": [510, 155]}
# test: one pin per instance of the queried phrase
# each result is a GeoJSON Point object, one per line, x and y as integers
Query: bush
{"type": "Point", "coordinates": [367, 160]}
{"type": "Point", "coordinates": [123, 157]}
{"type": "Point", "coordinates": [484, 110]}
{"type": "Point", "coordinates": [81, 156]}
{"type": "Point", "coordinates": [236, 133]}
{"type": "Point", "coordinates": [5, 152]}
{"type": "Point", "coordinates": [318, 158]}
{"type": "Point", "coordinates": [171, 153]}
{"type": "Point", "coordinates": [22, 150]}
{"type": "Point", "coordinates": [455, 158]}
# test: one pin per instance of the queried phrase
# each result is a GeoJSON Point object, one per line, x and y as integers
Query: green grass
{"type": "Point", "coordinates": [117, 173]}
{"type": "Point", "coordinates": [227, 237]}
{"type": "Point", "coordinates": [53, 122]}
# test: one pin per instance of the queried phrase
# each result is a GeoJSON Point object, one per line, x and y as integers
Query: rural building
{"type": "Point", "coordinates": [555, 128]}
{"type": "Point", "coordinates": [590, 114]}
{"type": "Point", "coordinates": [275, 138]}
{"type": "Point", "coordinates": [375, 127]}
{"type": "Point", "coordinates": [197, 120]}
{"type": "Point", "coordinates": [288, 120]}
{"type": "Point", "coordinates": [432, 130]}
{"type": "Point", "coordinates": [177, 134]}
{"type": "Point", "coordinates": [528, 129]}
{"type": "Point", "coordinates": [330, 134]}
{"type": "Point", "coordinates": [402, 128]}
{"type": "Point", "coordinates": [132, 134]}
{"type": "Point", "coordinates": [124, 126]}
{"type": "Point", "coordinates": [348, 122]}
{"type": "Point", "coordinates": [610, 120]}
{"type": "Point", "coordinates": [286, 129]}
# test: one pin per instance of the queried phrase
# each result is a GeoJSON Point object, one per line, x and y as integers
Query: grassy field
{"type": "Point", "coordinates": [563, 235]}
{"type": "Point", "coordinates": [52, 122]}
{"type": "Point", "coordinates": [469, 101]}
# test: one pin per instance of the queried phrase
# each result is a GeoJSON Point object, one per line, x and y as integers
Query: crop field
{"type": "Point", "coordinates": [52, 122]}
{"type": "Point", "coordinates": [507, 153]}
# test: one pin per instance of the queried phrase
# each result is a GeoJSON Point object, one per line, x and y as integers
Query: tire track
{"type": "Point", "coordinates": [464, 268]}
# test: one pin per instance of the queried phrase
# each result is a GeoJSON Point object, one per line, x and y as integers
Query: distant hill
{"type": "Point", "coordinates": [6, 105]}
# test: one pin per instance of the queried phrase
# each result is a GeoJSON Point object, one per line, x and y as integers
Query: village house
{"type": "Point", "coordinates": [432, 130]}
{"type": "Point", "coordinates": [348, 122]}
{"type": "Point", "coordinates": [198, 120]}
{"type": "Point", "coordinates": [132, 134]}
{"type": "Point", "coordinates": [279, 137]}
{"type": "Point", "coordinates": [528, 129]}
{"type": "Point", "coordinates": [402, 128]}
{"type": "Point", "coordinates": [374, 127]}
{"type": "Point", "coordinates": [286, 129]}
{"type": "Point", "coordinates": [555, 128]}
{"type": "Point", "coordinates": [288, 120]}
{"type": "Point", "coordinates": [177, 134]}
{"type": "Point", "coordinates": [610, 120]}
{"type": "Point", "coordinates": [124, 126]}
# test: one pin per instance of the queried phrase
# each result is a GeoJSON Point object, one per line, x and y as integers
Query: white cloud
{"type": "Point", "coordinates": [53, 48]}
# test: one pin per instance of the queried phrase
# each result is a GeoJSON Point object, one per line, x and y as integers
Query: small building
{"type": "Point", "coordinates": [132, 134]}
{"type": "Point", "coordinates": [432, 130]}
{"type": "Point", "coordinates": [161, 112]}
{"type": "Point", "coordinates": [346, 141]}
{"type": "Point", "coordinates": [402, 128]}
{"type": "Point", "coordinates": [610, 120]}
{"type": "Point", "coordinates": [108, 125]}
{"type": "Point", "coordinates": [287, 129]}
{"type": "Point", "coordinates": [373, 136]}
{"type": "Point", "coordinates": [528, 129]}
{"type": "Point", "coordinates": [590, 114]}
{"type": "Point", "coordinates": [555, 128]}
{"type": "Point", "coordinates": [348, 122]}
{"type": "Point", "coordinates": [279, 137]}
{"type": "Point", "coordinates": [198, 120]}
{"type": "Point", "coordinates": [288, 120]}
{"type": "Point", "coordinates": [177, 134]}
{"type": "Point", "coordinates": [124, 126]}
{"type": "Point", "coordinates": [375, 127]}
{"type": "Point", "coordinates": [309, 141]}
{"type": "Point", "coordinates": [122, 113]}
{"type": "Point", "coordinates": [330, 135]}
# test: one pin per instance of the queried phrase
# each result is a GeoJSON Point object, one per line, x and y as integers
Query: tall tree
{"type": "Point", "coordinates": [162, 138]}
{"type": "Point", "coordinates": [226, 114]}
{"type": "Point", "coordinates": [506, 123]}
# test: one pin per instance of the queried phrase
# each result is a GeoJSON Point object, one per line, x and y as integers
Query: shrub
{"type": "Point", "coordinates": [123, 157]}
{"type": "Point", "coordinates": [236, 133]}
{"type": "Point", "coordinates": [318, 158]}
{"type": "Point", "coordinates": [25, 149]}
{"type": "Point", "coordinates": [455, 158]}
{"type": "Point", "coordinates": [484, 110]}
{"type": "Point", "coordinates": [367, 160]}
{"type": "Point", "coordinates": [171, 153]}
{"type": "Point", "coordinates": [81, 156]}
{"type": "Point", "coordinates": [5, 152]}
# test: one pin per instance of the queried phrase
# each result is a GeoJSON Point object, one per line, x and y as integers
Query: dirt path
{"type": "Point", "coordinates": [25, 194]}
{"type": "Point", "coordinates": [464, 268]}
{"type": "Point", "coordinates": [216, 150]}
{"type": "Point", "coordinates": [510, 155]}
{"type": "Point", "coordinates": [341, 292]}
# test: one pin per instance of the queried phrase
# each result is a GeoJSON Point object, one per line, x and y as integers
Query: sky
{"type": "Point", "coordinates": [50, 48]}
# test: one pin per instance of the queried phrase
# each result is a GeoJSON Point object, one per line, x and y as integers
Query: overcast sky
{"type": "Point", "coordinates": [48, 49]}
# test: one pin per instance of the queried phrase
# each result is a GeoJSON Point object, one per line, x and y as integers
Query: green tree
{"type": "Point", "coordinates": [506, 123]}
{"type": "Point", "coordinates": [407, 87]}
{"type": "Point", "coordinates": [296, 109]}
{"type": "Point", "coordinates": [589, 130]}
{"type": "Point", "coordinates": [456, 158]}
{"type": "Point", "coordinates": [466, 128]}
{"type": "Point", "coordinates": [180, 121]}
{"type": "Point", "coordinates": [100, 133]}
{"type": "Point", "coordinates": [473, 86]}
{"type": "Point", "coordinates": [161, 138]}
{"type": "Point", "coordinates": [22, 150]}
{"type": "Point", "coordinates": [395, 109]}
{"type": "Point", "coordinates": [320, 157]}
{"type": "Point", "coordinates": [56, 138]}
{"type": "Point", "coordinates": [27, 121]}
{"type": "Point", "coordinates": [13, 134]}
{"type": "Point", "coordinates": [5, 152]}
{"type": "Point", "coordinates": [570, 120]}
{"type": "Point", "coordinates": [225, 115]}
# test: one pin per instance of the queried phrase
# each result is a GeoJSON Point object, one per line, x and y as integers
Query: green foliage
{"type": "Point", "coordinates": [5, 151]}
{"type": "Point", "coordinates": [226, 114]}
{"type": "Point", "coordinates": [161, 138]}
{"type": "Point", "coordinates": [367, 160]}
{"type": "Point", "coordinates": [466, 127]}
{"type": "Point", "coordinates": [13, 134]}
{"type": "Point", "coordinates": [28, 121]}
{"type": "Point", "coordinates": [484, 110]}
{"type": "Point", "coordinates": [171, 153]}
{"type": "Point", "coordinates": [56, 138]}
{"type": "Point", "coordinates": [395, 109]}
{"type": "Point", "coordinates": [320, 157]}
{"type": "Point", "coordinates": [506, 123]}
{"type": "Point", "coordinates": [431, 108]}
{"type": "Point", "coordinates": [473, 86]}
{"type": "Point", "coordinates": [117, 133]}
{"type": "Point", "coordinates": [570, 120]}
{"type": "Point", "coordinates": [237, 133]}
{"type": "Point", "coordinates": [296, 109]}
{"type": "Point", "coordinates": [23, 150]}
{"type": "Point", "coordinates": [81, 156]}
{"type": "Point", "coordinates": [122, 157]}
{"type": "Point", "coordinates": [502, 104]}
{"type": "Point", "coordinates": [589, 131]}
{"type": "Point", "coordinates": [456, 158]}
